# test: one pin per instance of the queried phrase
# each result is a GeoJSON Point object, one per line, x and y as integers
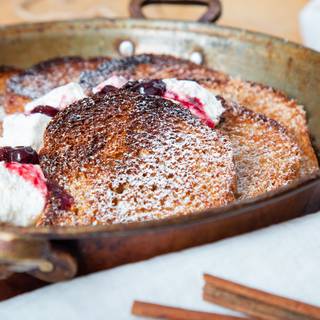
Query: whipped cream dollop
{"type": "Point", "coordinates": [113, 81]}
{"type": "Point", "coordinates": [200, 101]}
{"type": "Point", "coordinates": [23, 187]}
{"type": "Point", "coordinates": [191, 95]}
{"type": "Point", "coordinates": [24, 130]}
{"type": "Point", "coordinates": [23, 193]}
{"type": "Point", "coordinates": [59, 97]}
{"type": "Point", "coordinates": [28, 129]}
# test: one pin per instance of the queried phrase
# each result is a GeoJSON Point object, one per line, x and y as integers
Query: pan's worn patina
{"type": "Point", "coordinates": [54, 254]}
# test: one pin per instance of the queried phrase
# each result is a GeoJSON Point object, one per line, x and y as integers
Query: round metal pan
{"type": "Point", "coordinates": [54, 254]}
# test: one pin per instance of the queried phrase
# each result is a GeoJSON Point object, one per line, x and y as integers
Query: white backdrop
{"type": "Point", "coordinates": [310, 24]}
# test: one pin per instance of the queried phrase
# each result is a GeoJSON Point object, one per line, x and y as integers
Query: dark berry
{"type": "Point", "coordinates": [63, 200]}
{"type": "Point", "coordinates": [47, 110]}
{"type": "Point", "coordinates": [148, 88]}
{"type": "Point", "coordinates": [19, 154]}
{"type": "Point", "coordinates": [107, 89]}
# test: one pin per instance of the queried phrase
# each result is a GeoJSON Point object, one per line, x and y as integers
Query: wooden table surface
{"type": "Point", "coordinates": [277, 17]}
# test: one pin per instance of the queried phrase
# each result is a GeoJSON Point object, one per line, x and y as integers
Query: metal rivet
{"type": "Point", "coordinates": [126, 48]}
{"type": "Point", "coordinates": [46, 266]}
{"type": "Point", "coordinates": [197, 57]}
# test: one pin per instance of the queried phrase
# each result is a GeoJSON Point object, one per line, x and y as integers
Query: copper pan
{"type": "Point", "coordinates": [54, 254]}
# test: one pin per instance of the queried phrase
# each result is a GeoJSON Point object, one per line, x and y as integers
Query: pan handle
{"type": "Point", "coordinates": [38, 257]}
{"type": "Point", "coordinates": [212, 14]}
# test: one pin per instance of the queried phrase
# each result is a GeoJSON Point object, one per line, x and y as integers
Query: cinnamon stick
{"type": "Point", "coordinates": [158, 311]}
{"type": "Point", "coordinates": [256, 303]}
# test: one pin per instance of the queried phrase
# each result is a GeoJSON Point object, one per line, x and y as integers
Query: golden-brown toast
{"type": "Point", "coordinates": [265, 156]}
{"type": "Point", "coordinates": [125, 157]}
{"type": "Point", "coordinates": [275, 105]}
{"type": "Point", "coordinates": [43, 77]}
{"type": "Point", "coordinates": [256, 97]}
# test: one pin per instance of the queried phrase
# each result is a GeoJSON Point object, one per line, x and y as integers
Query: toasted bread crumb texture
{"type": "Point", "coordinates": [124, 157]}
{"type": "Point", "coordinates": [266, 158]}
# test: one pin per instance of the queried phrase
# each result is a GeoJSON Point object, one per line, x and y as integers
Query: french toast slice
{"type": "Point", "coordinates": [256, 97]}
{"type": "Point", "coordinates": [275, 105]}
{"type": "Point", "coordinates": [265, 156]}
{"type": "Point", "coordinates": [126, 157]}
{"type": "Point", "coordinates": [43, 77]}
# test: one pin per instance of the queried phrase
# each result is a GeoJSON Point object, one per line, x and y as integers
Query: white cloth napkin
{"type": "Point", "coordinates": [283, 259]}
{"type": "Point", "coordinates": [310, 24]}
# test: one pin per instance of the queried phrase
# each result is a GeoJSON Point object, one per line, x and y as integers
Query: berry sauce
{"type": "Point", "coordinates": [19, 155]}
{"type": "Point", "coordinates": [47, 110]}
{"type": "Point", "coordinates": [30, 173]}
{"type": "Point", "coordinates": [148, 88]}
{"type": "Point", "coordinates": [107, 89]}
{"type": "Point", "coordinates": [193, 104]}
{"type": "Point", "coordinates": [64, 199]}
{"type": "Point", "coordinates": [158, 88]}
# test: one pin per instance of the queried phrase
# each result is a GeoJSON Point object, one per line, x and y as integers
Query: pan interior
{"type": "Point", "coordinates": [251, 56]}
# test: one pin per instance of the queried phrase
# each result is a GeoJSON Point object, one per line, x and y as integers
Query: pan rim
{"type": "Point", "coordinates": [163, 24]}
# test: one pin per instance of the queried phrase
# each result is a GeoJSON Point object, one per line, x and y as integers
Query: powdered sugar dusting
{"type": "Point", "coordinates": [256, 97]}
{"type": "Point", "coordinates": [265, 157]}
{"type": "Point", "coordinates": [200, 101]}
{"type": "Point", "coordinates": [142, 158]}
{"type": "Point", "coordinates": [275, 105]}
